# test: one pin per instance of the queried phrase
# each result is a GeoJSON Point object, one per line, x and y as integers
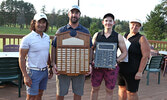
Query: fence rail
{"type": "Point", "coordinates": [158, 45]}
{"type": "Point", "coordinates": [12, 40]}
{"type": "Point", "coordinates": [15, 39]}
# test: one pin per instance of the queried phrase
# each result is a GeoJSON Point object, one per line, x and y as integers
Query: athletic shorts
{"type": "Point", "coordinates": [39, 81]}
{"type": "Point", "coordinates": [109, 76]}
{"type": "Point", "coordinates": [63, 83]}
{"type": "Point", "coordinates": [129, 81]}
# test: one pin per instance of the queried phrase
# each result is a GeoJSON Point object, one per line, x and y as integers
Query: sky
{"type": "Point", "coordinates": [122, 9]}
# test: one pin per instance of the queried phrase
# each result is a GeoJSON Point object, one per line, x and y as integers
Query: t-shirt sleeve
{"type": "Point", "coordinates": [24, 43]}
{"type": "Point", "coordinates": [54, 42]}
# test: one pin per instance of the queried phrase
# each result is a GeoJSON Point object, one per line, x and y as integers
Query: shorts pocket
{"type": "Point", "coordinates": [30, 72]}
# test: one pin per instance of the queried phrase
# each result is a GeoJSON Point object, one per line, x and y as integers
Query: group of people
{"type": "Point", "coordinates": [38, 66]}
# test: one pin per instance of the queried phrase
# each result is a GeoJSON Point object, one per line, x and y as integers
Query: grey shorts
{"type": "Point", "coordinates": [63, 83]}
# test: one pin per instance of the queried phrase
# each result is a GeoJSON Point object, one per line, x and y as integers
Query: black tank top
{"type": "Point", "coordinates": [113, 38]}
{"type": "Point", "coordinates": [134, 55]}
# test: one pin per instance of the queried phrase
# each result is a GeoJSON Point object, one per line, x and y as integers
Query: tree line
{"type": "Point", "coordinates": [13, 12]}
{"type": "Point", "coordinates": [156, 25]}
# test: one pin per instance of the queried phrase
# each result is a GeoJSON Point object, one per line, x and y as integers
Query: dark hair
{"type": "Point", "coordinates": [32, 25]}
{"type": "Point", "coordinates": [108, 15]}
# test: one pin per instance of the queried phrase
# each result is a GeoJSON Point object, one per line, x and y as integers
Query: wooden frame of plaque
{"type": "Point", "coordinates": [72, 53]}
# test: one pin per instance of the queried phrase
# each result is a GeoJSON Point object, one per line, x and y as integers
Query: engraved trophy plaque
{"type": "Point", "coordinates": [105, 55]}
{"type": "Point", "coordinates": [72, 53]}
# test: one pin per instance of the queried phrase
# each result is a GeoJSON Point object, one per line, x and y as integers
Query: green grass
{"type": "Point", "coordinates": [25, 31]}
{"type": "Point", "coordinates": [13, 30]}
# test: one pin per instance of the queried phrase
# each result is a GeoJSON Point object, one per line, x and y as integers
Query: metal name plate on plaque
{"type": "Point", "coordinates": [105, 55]}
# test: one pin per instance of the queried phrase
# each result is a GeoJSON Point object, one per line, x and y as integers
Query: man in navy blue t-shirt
{"type": "Point", "coordinates": [63, 81]}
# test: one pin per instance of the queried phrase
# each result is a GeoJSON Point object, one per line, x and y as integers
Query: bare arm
{"type": "Point", "coordinates": [94, 38]}
{"type": "Point", "coordinates": [145, 49]}
{"type": "Point", "coordinates": [50, 68]}
{"type": "Point", "coordinates": [53, 60]}
{"type": "Point", "coordinates": [22, 63]}
{"type": "Point", "coordinates": [94, 43]}
{"type": "Point", "coordinates": [122, 48]}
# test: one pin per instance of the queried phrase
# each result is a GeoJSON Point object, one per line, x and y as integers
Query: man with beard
{"type": "Point", "coordinates": [63, 81]}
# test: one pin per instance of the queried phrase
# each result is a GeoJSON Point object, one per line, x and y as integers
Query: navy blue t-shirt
{"type": "Point", "coordinates": [72, 32]}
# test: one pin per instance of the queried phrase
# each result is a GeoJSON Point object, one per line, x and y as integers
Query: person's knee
{"type": "Point", "coordinates": [40, 93]}
{"type": "Point", "coordinates": [95, 89]}
{"type": "Point", "coordinates": [30, 97]}
{"type": "Point", "coordinates": [131, 93]}
{"type": "Point", "coordinates": [76, 96]}
{"type": "Point", "coordinates": [122, 89]}
{"type": "Point", "coordinates": [109, 91]}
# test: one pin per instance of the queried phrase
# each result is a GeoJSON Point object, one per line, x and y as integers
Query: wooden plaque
{"type": "Point", "coordinates": [72, 53]}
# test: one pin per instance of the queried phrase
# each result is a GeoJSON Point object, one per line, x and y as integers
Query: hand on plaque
{"type": "Point", "coordinates": [90, 71]}
{"type": "Point", "coordinates": [50, 75]}
{"type": "Point", "coordinates": [55, 69]}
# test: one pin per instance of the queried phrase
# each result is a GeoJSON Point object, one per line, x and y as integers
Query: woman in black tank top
{"type": "Point", "coordinates": [131, 72]}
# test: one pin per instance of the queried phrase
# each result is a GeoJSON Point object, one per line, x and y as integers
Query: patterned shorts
{"type": "Point", "coordinates": [109, 76]}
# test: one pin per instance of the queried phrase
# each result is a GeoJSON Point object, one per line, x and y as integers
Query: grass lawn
{"type": "Point", "coordinates": [16, 30]}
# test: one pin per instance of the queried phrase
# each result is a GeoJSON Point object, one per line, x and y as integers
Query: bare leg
{"type": "Point", "coordinates": [39, 96]}
{"type": "Point", "coordinates": [109, 94]}
{"type": "Point", "coordinates": [94, 93]}
{"type": "Point", "coordinates": [59, 97]}
{"type": "Point", "coordinates": [122, 93]}
{"type": "Point", "coordinates": [77, 97]}
{"type": "Point", "coordinates": [132, 95]}
{"type": "Point", "coordinates": [30, 97]}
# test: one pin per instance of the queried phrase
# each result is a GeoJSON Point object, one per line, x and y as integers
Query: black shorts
{"type": "Point", "coordinates": [129, 81]}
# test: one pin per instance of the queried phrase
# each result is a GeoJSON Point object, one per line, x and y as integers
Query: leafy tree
{"type": "Point", "coordinates": [93, 28]}
{"type": "Point", "coordinates": [13, 12]}
{"type": "Point", "coordinates": [43, 9]}
{"type": "Point", "coordinates": [164, 4]}
{"type": "Point", "coordinates": [164, 12]}
{"type": "Point", "coordinates": [98, 23]}
{"type": "Point", "coordinates": [155, 26]}
{"type": "Point", "coordinates": [8, 9]}
{"type": "Point", "coordinates": [51, 19]}
{"type": "Point", "coordinates": [121, 26]}
{"type": "Point", "coordinates": [29, 12]}
{"type": "Point", "coordinates": [85, 21]}
{"type": "Point", "coordinates": [118, 28]}
{"type": "Point", "coordinates": [61, 18]}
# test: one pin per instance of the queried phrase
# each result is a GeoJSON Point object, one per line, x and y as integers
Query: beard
{"type": "Point", "coordinates": [74, 20]}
